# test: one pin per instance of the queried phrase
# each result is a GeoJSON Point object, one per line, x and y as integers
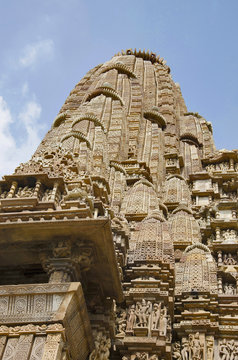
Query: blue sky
{"type": "Point", "coordinates": [47, 46]}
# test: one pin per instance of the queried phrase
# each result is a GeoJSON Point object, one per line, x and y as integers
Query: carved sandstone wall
{"type": "Point", "coordinates": [119, 237]}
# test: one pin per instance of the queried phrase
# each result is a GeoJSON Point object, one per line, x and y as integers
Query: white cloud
{"type": "Point", "coordinates": [11, 153]}
{"type": "Point", "coordinates": [40, 50]}
{"type": "Point", "coordinates": [25, 89]}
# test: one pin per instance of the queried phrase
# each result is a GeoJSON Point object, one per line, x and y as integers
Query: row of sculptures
{"type": "Point", "coordinates": [192, 348]}
{"type": "Point", "coordinates": [229, 289]}
{"type": "Point", "coordinates": [140, 356]}
{"type": "Point", "coordinates": [222, 166]}
{"type": "Point", "coordinates": [143, 314]}
{"type": "Point", "coordinates": [26, 192]}
{"type": "Point", "coordinates": [226, 259]}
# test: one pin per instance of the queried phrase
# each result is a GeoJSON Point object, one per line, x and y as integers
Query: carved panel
{"type": "Point", "coordinates": [38, 348]}
{"type": "Point", "coordinates": [10, 349]}
{"type": "Point", "coordinates": [53, 347]}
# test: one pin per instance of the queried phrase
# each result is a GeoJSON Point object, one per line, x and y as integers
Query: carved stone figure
{"type": "Point", "coordinates": [229, 289]}
{"type": "Point", "coordinates": [131, 318]}
{"type": "Point", "coordinates": [143, 312]}
{"type": "Point", "coordinates": [210, 347]}
{"type": "Point", "coordinates": [185, 349]}
{"type": "Point", "coordinates": [224, 353]}
{"type": "Point", "coordinates": [163, 321]}
{"type": "Point", "coordinates": [121, 323]}
{"type": "Point", "coordinates": [155, 316]}
{"type": "Point", "coordinates": [195, 347]}
{"type": "Point", "coordinates": [102, 348]}
{"type": "Point", "coordinates": [176, 354]}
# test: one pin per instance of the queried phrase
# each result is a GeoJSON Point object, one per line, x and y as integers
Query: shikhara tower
{"type": "Point", "coordinates": [119, 237]}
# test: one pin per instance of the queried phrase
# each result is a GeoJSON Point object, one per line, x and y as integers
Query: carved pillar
{"type": "Point", "coordinates": [219, 285]}
{"type": "Point", "coordinates": [12, 189]}
{"type": "Point", "coordinates": [219, 258]}
{"type": "Point", "coordinates": [218, 234]}
{"type": "Point", "coordinates": [54, 191]}
{"type": "Point", "coordinates": [59, 276]}
{"type": "Point", "coordinates": [53, 347]}
{"type": "Point", "coordinates": [37, 188]}
{"type": "Point", "coordinates": [64, 265]}
{"type": "Point", "coordinates": [95, 215]}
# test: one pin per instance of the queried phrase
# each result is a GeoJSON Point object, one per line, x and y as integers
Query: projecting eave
{"type": "Point", "coordinates": [21, 241]}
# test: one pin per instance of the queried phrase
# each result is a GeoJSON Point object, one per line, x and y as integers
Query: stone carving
{"type": "Point", "coordinates": [144, 314]}
{"type": "Point", "coordinates": [155, 316]}
{"type": "Point", "coordinates": [228, 350]}
{"type": "Point", "coordinates": [10, 349]}
{"type": "Point", "coordinates": [185, 350]}
{"type": "Point", "coordinates": [132, 317]}
{"type": "Point", "coordinates": [195, 347]}
{"type": "Point", "coordinates": [24, 192]}
{"type": "Point", "coordinates": [229, 260]}
{"type": "Point", "coordinates": [210, 347]}
{"type": "Point", "coordinates": [140, 356]}
{"type": "Point", "coordinates": [102, 348]}
{"type": "Point", "coordinates": [192, 348]}
{"type": "Point", "coordinates": [121, 323]}
{"type": "Point", "coordinates": [47, 195]}
{"type": "Point", "coordinates": [137, 196]}
{"type": "Point", "coordinates": [30, 329]}
{"type": "Point", "coordinates": [38, 348]}
{"type": "Point", "coordinates": [229, 289]}
{"type": "Point", "coordinates": [229, 235]}
{"type": "Point", "coordinates": [176, 351]}
{"type": "Point", "coordinates": [53, 346]}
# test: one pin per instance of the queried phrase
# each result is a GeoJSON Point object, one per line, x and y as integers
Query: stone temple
{"type": "Point", "coordinates": [119, 237]}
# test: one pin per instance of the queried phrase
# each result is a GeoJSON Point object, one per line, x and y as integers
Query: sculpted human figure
{"type": "Point", "coordinates": [105, 349]}
{"type": "Point", "coordinates": [27, 192]}
{"type": "Point", "coordinates": [230, 290]}
{"type": "Point", "coordinates": [231, 348]}
{"type": "Point", "coordinates": [155, 316]}
{"type": "Point", "coordinates": [96, 352]}
{"type": "Point", "coordinates": [236, 352]}
{"type": "Point", "coordinates": [121, 322]}
{"type": "Point", "coordinates": [131, 318]}
{"type": "Point", "coordinates": [185, 349]}
{"type": "Point", "coordinates": [224, 353]}
{"type": "Point", "coordinates": [163, 321]}
{"type": "Point", "coordinates": [196, 347]}
{"type": "Point", "coordinates": [176, 354]}
{"type": "Point", "coordinates": [19, 192]}
{"type": "Point", "coordinates": [210, 344]}
{"type": "Point", "coordinates": [226, 289]}
{"type": "Point", "coordinates": [143, 313]}
{"type": "Point", "coordinates": [141, 356]}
